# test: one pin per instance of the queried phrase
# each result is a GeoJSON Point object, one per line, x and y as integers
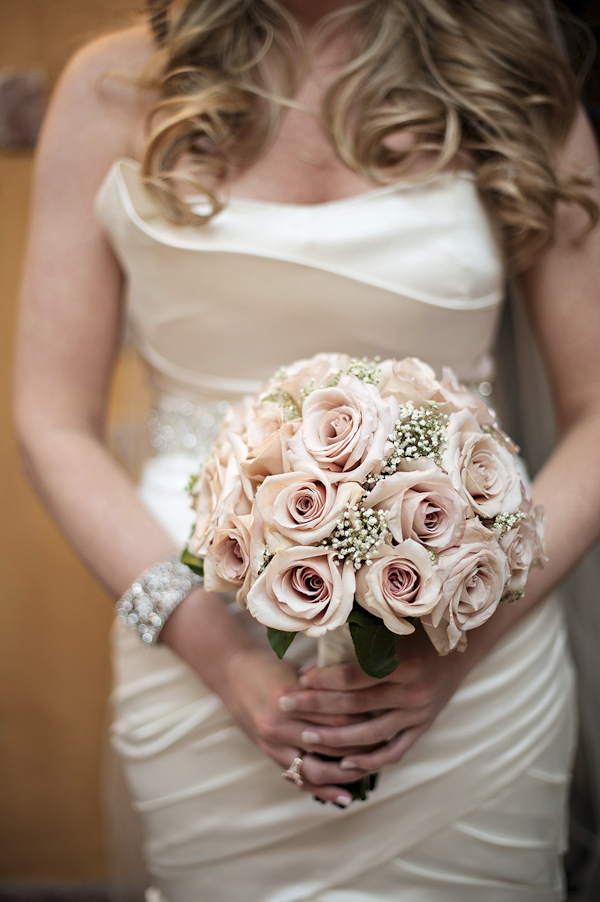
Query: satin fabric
{"type": "Point", "coordinates": [405, 270]}
{"type": "Point", "coordinates": [475, 810]}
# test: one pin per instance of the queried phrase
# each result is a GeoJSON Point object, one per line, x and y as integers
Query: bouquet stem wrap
{"type": "Point", "coordinates": [335, 647]}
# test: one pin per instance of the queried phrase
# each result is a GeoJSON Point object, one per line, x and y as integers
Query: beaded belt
{"type": "Point", "coordinates": [180, 426]}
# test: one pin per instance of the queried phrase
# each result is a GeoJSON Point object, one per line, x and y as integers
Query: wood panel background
{"type": "Point", "coordinates": [54, 620]}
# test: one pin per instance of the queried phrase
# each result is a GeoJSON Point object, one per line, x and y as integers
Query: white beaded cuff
{"type": "Point", "coordinates": [151, 599]}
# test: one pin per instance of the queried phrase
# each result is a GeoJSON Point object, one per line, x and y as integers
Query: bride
{"type": "Point", "coordinates": [267, 179]}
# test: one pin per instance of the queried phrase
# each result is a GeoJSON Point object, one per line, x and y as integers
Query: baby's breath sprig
{"type": "Point", "coordinates": [267, 558]}
{"type": "Point", "coordinates": [364, 368]}
{"type": "Point", "coordinates": [286, 402]}
{"type": "Point", "coordinates": [511, 597]}
{"type": "Point", "coordinates": [305, 392]}
{"type": "Point", "coordinates": [504, 522]}
{"type": "Point", "coordinates": [419, 432]}
{"type": "Point", "coordinates": [497, 434]}
{"type": "Point", "coordinates": [192, 483]}
{"type": "Point", "coordinates": [358, 534]}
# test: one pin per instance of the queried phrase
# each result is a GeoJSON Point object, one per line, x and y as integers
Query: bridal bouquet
{"type": "Point", "coordinates": [355, 497]}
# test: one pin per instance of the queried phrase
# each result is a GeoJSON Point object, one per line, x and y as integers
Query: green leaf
{"type": "Point", "coordinates": [280, 640]}
{"type": "Point", "coordinates": [374, 643]}
{"type": "Point", "coordinates": [194, 563]}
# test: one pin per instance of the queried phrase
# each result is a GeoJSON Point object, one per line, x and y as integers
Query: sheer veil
{"type": "Point", "coordinates": [523, 385]}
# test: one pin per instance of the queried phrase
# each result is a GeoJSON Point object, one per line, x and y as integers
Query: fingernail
{"type": "Point", "coordinates": [344, 801]}
{"type": "Point", "coordinates": [304, 681]}
{"type": "Point", "coordinates": [287, 703]}
{"type": "Point", "coordinates": [309, 737]}
{"type": "Point", "coordinates": [348, 765]}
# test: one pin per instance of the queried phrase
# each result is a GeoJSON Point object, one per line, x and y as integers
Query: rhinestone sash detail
{"type": "Point", "coordinates": [181, 426]}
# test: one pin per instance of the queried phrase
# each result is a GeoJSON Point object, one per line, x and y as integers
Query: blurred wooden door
{"type": "Point", "coordinates": [54, 620]}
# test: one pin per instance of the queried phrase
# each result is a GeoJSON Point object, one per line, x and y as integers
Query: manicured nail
{"type": "Point", "coordinates": [287, 703]}
{"type": "Point", "coordinates": [344, 801]}
{"type": "Point", "coordinates": [309, 737]}
{"type": "Point", "coordinates": [348, 765]}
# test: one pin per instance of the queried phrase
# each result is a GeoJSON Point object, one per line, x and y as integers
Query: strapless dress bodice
{"type": "Point", "coordinates": [413, 269]}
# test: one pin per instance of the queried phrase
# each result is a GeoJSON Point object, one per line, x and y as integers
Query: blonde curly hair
{"type": "Point", "coordinates": [460, 76]}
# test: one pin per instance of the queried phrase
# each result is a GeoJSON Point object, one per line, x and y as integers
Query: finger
{"type": "Point", "coordinates": [337, 795]}
{"type": "Point", "coordinates": [390, 753]}
{"type": "Point", "coordinates": [321, 772]}
{"type": "Point", "coordinates": [335, 720]}
{"type": "Point", "coordinates": [340, 676]}
{"type": "Point", "coordinates": [283, 755]}
{"type": "Point", "coordinates": [313, 768]}
{"type": "Point", "coordinates": [369, 733]}
{"type": "Point", "coordinates": [286, 733]}
{"type": "Point", "coordinates": [324, 701]}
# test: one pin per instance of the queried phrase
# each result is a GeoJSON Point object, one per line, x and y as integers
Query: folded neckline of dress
{"type": "Point", "coordinates": [447, 175]}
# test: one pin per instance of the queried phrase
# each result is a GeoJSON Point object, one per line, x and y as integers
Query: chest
{"type": "Point", "coordinates": [301, 165]}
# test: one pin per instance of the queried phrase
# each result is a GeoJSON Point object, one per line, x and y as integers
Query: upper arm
{"type": "Point", "coordinates": [563, 292]}
{"type": "Point", "coordinates": [70, 302]}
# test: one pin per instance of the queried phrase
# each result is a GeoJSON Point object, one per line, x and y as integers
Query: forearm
{"type": "Point", "coordinates": [94, 503]}
{"type": "Point", "coordinates": [97, 508]}
{"type": "Point", "coordinates": [568, 488]}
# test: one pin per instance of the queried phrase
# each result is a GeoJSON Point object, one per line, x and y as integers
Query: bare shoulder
{"type": "Point", "coordinates": [98, 111]}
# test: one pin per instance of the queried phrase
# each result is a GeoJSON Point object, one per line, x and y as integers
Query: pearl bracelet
{"type": "Point", "coordinates": [151, 599]}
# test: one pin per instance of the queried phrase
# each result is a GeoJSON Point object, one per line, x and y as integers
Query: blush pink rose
{"type": "Point", "coordinates": [270, 457]}
{"type": "Point", "coordinates": [219, 492]}
{"type": "Point", "coordinates": [423, 505]}
{"type": "Point", "coordinates": [304, 376]}
{"type": "Point", "coordinates": [302, 508]}
{"type": "Point", "coordinates": [401, 582]}
{"type": "Point", "coordinates": [473, 577]}
{"type": "Point", "coordinates": [344, 430]}
{"type": "Point", "coordinates": [523, 547]}
{"type": "Point", "coordinates": [408, 379]}
{"type": "Point", "coordinates": [450, 390]}
{"type": "Point", "coordinates": [481, 469]}
{"type": "Point", "coordinates": [266, 420]}
{"type": "Point", "coordinates": [303, 589]}
{"type": "Point", "coordinates": [228, 562]}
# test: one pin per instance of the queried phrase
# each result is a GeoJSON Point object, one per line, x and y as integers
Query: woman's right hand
{"type": "Point", "coordinates": [251, 681]}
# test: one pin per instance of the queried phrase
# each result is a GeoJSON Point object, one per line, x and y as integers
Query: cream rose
{"type": "Point", "coordinates": [473, 578]}
{"type": "Point", "coordinates": [344, 430]}
{"type": "Point", "coordinates": [423, 505]}
{"type": "Point", "coordinates": [302, 508]}
{"type": "Point", "coordinates": [401, 582]}
{"type": "Point", "coordinates": [481, 469]}
{"type": "Point", "coordinates": [303, 589]}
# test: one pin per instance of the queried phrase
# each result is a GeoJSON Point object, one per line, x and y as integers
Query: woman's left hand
{"type": "Point", "coordinates": [399, 708]}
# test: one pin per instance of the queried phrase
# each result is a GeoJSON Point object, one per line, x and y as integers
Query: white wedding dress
{"type": "Point", "coordinates": [475, 811]}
